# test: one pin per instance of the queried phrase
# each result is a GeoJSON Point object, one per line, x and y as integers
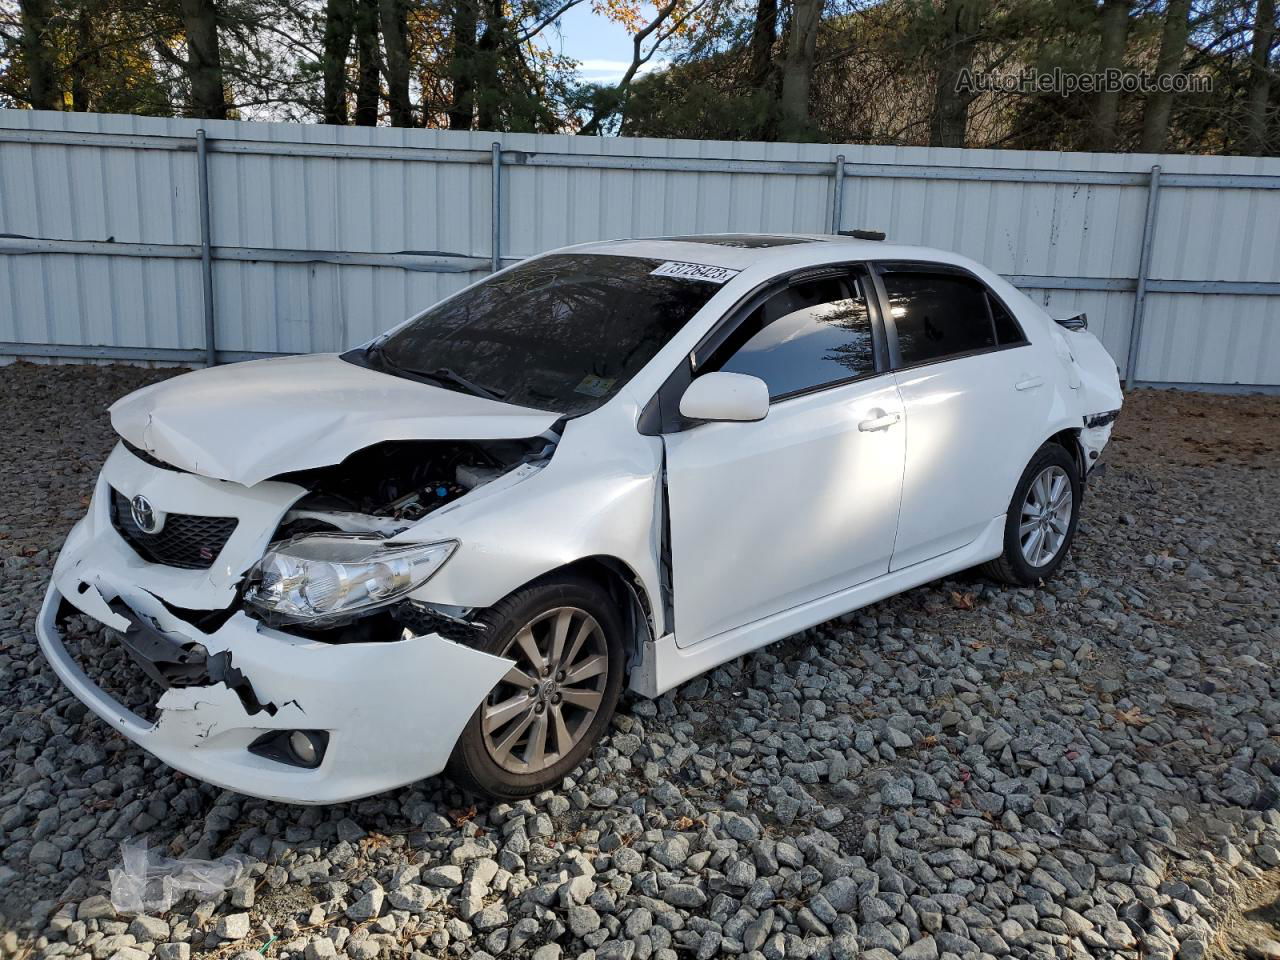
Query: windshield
{"type": "Point", "coordinates": [560, 333]}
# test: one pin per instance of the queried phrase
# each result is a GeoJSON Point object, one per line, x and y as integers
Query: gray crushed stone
{"type": "Point", "coordinates": [1089, 768]}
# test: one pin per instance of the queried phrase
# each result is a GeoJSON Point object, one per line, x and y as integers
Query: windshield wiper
{"type": "Point", "coordinates": [457, 379]}
{"type": "Point", "coordinates": [440, 376]}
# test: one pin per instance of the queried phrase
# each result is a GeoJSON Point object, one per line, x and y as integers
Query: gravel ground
{"type": "Point", "coordinates": [1090, 768]}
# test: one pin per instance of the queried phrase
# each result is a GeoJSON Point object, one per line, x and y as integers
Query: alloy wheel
{"type": "Point", "coordinates": [1046, 516]}
{"type": "Point", "coordinates": [545, 704]}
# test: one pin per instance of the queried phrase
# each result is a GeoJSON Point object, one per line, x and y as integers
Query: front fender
{"type": "Point", "coordinates": [599, 495]}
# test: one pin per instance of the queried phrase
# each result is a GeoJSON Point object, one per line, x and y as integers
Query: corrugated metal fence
{"type": "Point", "coordinates": [144, 238]}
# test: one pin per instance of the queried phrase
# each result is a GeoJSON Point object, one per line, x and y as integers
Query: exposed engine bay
{"type": "Point", "coordinates": [389, 486]}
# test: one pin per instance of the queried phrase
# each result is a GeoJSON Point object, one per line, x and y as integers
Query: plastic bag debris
{"type": "Point", "coordinates": [148, 882]}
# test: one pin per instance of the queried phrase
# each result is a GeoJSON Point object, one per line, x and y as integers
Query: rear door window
{"type": "Point", "coordinates": [938, 314]}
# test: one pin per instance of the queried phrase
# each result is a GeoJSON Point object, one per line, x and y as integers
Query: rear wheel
{"type": "Point", "coordinates": [1042, 517]}
{"type": "Point", "coordinates": [543, 717]}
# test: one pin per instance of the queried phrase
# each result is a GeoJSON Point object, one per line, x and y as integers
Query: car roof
{"type": "Point", "coordinates": [739, 251]}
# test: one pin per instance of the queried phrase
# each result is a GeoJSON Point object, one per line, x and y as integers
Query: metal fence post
{"type": "Point", "coordinates": [837, 195]}
{"type": "Point", "coordinates": [1144, 268]}
{"type": "Point", "coordinates": [206, 249]}
{"type": "Point", "coordinates": [495, 240]}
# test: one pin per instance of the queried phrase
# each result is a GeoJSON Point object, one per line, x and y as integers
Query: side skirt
{"type": "Point", "coordinates": [664, 665]}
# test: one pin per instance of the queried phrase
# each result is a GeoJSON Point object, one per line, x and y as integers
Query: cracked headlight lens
{"type": "Point", "coordinates": [328, 577]}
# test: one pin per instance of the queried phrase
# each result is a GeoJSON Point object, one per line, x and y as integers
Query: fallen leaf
{"type": "Point", "coordinates": [962, 601]}
{"type": "Point", "coordinates": [1133, 717]}
{"type": "Point", "coordinates": [463, 815]}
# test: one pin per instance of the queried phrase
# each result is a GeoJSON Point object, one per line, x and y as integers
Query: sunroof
{"type": "Point", "coordinates": [748, 241]}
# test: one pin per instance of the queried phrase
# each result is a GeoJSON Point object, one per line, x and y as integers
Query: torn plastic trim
{"type": "Point", "coordinates": [1094, 420]}
{"type": "Point", "coordinates": [173, 663]}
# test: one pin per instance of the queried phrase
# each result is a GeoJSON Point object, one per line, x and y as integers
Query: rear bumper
{"type": "Point", "coordinates": [1094, 437]}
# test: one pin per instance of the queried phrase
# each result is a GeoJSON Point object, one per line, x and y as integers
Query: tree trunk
{"type": "Point", "coordinates": [204, 61]}
{"type": "Point", "coordinates": [462, 109]}
{"type": "Point", "coordinates": [1264, 31]}
{"type": "Point", "coordinates": [797, 68]}
{"type": "Point", "coordinates": [488, 91]}
{"type": "Point", "coordinates": [37, 52]}
{"type": "Point", "coordinates": [1173, 43]}
{"type": "Point", "coordinates": [368, 88]}
{"type": "Point", "coordinates": [79, 68]}
{"type": "Point", "coordinates": [395, 38]}
{"type": "Point", "coordinates": [339, 23]}
{"type": "Point", "coordinates": [1115, 37]}
{"type": "Point", "coordinates": [764, 34]}
{"type": "Point", "coordinates": [760, 72]}
{"type": "Point", "coordinates": [950, 103]}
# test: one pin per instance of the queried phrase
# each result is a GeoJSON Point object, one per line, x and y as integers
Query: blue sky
{"type": "Point", "coordinates": [600, 45]}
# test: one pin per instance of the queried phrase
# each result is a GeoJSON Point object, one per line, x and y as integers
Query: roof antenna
{"type": "Point", "coordinates": [863, 234]}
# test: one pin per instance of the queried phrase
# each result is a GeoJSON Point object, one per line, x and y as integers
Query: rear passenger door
{"type": "Point", "coordinates": [976, 397]}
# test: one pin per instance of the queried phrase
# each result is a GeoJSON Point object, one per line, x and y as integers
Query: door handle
{"type": "Point", "coordinates": [1029, 383]}
{"type": "Point", "coordinates": [880, 421]}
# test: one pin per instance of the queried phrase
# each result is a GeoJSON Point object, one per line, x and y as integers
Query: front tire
{"type": "Point", "coordinates": [1042, 518]}
{"type": "Point", "coordinates": [542, 719]}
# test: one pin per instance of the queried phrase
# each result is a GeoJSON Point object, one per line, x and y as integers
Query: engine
{"type": "Point", "coordinates": [402, 480]}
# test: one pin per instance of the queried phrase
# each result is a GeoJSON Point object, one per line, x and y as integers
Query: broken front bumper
{"type": "Point", "coordinates": [392, 710]}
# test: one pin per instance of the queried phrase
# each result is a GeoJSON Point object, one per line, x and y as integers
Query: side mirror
{"type": "Point", "coordinates": [1079, 322]}
{"type": "Point", "coordinates": [725, 396]}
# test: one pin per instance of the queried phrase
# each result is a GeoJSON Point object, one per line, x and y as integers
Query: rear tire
{"type": "Point", "coordinates": [1041, 523]}
{"type": "Point", "coordinates": [543, 719]}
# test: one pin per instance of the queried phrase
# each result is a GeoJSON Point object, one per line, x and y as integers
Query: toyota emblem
{"type": "Point", "coordinates": [144, 516]}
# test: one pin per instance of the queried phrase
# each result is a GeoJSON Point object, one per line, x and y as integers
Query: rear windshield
{"type": "Point", "coordinates": [560, 333]}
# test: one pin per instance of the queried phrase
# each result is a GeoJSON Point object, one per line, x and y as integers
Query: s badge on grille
{"type": "Point", "coordinates": [144, 516]}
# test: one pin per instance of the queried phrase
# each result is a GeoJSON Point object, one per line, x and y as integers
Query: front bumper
{"type": "Point", "coordinates": [393, 710]}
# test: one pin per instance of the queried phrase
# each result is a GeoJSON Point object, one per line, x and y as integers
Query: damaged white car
{"type": "Point", "coordinates": [617, 464]}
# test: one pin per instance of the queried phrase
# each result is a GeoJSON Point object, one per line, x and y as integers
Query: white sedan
{"type": "Point", "coordinates": [616, 464]}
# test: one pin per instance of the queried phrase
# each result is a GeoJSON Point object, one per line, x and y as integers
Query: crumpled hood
{"type": "Point", "coordinates": [246, 422]}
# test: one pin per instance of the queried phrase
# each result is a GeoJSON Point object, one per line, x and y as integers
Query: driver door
{"type": "Point", "coordinates": [769, 515]}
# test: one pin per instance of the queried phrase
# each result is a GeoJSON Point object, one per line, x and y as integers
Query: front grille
{"type": "Point", "coordinates": [185, 540]}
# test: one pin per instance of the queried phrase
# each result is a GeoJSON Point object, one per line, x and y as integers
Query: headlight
{"type": "Point", "coordinates": [320, 578]}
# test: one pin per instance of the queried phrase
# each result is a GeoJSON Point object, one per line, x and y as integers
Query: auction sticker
{"type": "Point", "coordinates": [694, 271]}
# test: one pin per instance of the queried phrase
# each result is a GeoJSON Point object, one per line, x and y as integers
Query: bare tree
{"type": "Point", "coordinates": [797, 66]}
{"type": "Point", "coordinates": [395, 39]}
{"type": "Point", "coordinates": [1114, 23]}
{"type": "Point", "coordinates": [1173, 45]}
{"type": "Point", "coordinates": [37, 50]}
{"type": "Point", "coordinates": [1264, 32]}
{"type": "Point", "coordinates": [666, 23]}
{"type": "Point", "coordinates": [339, 23]}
